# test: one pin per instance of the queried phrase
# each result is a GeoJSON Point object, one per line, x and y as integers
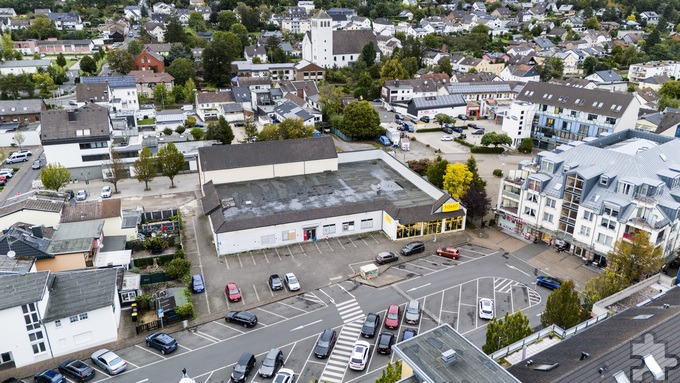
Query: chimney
{"type": "Point", "coordinates": [301, 93]}
{"type": "Point", "coordinates": [396, 83]}
{"type": "Point", "coordinates": [37, 231]}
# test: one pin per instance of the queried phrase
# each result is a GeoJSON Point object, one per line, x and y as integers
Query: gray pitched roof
{"type": "Point", "coordinates": [289, 109]}
{"type": "Point", "coordinates": [481, 87]}
{"type": "Point", "coordinates": [21, 265]}
{"type": "Point", "coordinates": [24, 244]}
{"type": "Point", "coordinates": [241, 94]}
{"type": "Point", "coordinates": [437, 101]}
{"type": "Point", "coordinates": [71, 16]}
{"type": "Point", "coordinates": [613, 104]}
{"type": "Point", "coordinates": [121, 81]}
{"type": "Point", "coordinates": [609, 76]}
{"type": "Point", "coordinates": [265, 153]}
{"type": "Point", "coordinates": [25, 63]}
{"type": "Point", "coordinates": [10, 107]}
{"type": "Point", "coordinates": [18, 290]}
{"type": "Point", "coordinates": [214, 97]}
{"type": "Point", "coordinates": [351, 42]}
{"type": "Point", "coordinates": [92, 92]}
{"type": "Point", "coordinates": [321, 15]}
{"type": "Point", "coordinates": [62, 124]}
{"type": "Point", "coordinates": [72, 237]}
{"type": "Point", "coordinates": [77, 292]}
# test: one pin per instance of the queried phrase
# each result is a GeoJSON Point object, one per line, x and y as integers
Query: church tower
{"type": "Point", "coordinates": [322, 39]}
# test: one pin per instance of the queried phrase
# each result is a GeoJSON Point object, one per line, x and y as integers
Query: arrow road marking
{"type": "Point", "coordinates": [416, 288]}
{"type": "Point", "coordinates": [305, 325]}
{"type": "Point", "coordinates": [516, 269]}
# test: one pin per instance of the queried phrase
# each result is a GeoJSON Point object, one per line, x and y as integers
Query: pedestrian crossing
{"type": "Point", "coordinates": [534, 297]}
{"type": "Point", "coordinates": [338, 361]}
{"type": "Point", "coordinates": [350, 311]}
{"type": "Point", "coordinates": [503, 285]}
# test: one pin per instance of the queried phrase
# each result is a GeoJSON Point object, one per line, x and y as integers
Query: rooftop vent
{"type": "Point", "coordinates": [584, 355]}
{"type": "Point", "coordinates": [449, 356]}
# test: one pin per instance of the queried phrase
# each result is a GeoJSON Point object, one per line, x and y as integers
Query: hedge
{"type": "Point", "coordinates": [486, 150]}
{"type": "Point", "coordinates": [463, 142]}
{"type": "Point", "coordinates": [427, 130]}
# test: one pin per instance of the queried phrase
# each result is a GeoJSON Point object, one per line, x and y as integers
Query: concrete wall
{"type": "Point", "coordinates": [70, 156]}
{"type": "Point", "coordinates": [112, 227]}
{"type": "Point", "coordinates": [32, 217]}
{"type": "Point", "coordinates": [269, 171]}
{"type": "Point", "coordinates": [100, 327]}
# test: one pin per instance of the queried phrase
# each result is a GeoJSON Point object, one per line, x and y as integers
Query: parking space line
{"type": "Point", "coordinates": [350, 240]}
{"type": "Point", "coordinates": [317, 247]}
{"type": "Point", "coordinates": [132, 364]}
{"type": "Point", "coordinates": [239, 260]}
{"type": "Point", "coordinates": [225, 261]}
{"type": "Point", "coordinates": [293, 307]}
{"type": "Point", "coordinates": [512, 301]}
{"type": "Point", "coordinates": [229, 327]}
{"type": "Point", "coordinates": [302, 249]}
{"type": "Point", "coordinates": [340, 243]}
{"type": "Point", "coordinates": [460, 298]}
{"type": "Point", "coordinates": [466, 304]}
{"type": "Point", "coordinates": [94, 367]}
{"type": "Point", "coordinates": [329, 246]}
{"type": "Point", "coordinates": [184, 347]}
{"type": "Point", "coordinates": [269, 312]}
{"type": "Point", "coordinates": [422, 267]}
{"type": "Point", "coordinates": [253, 257]}
{"type": "Point", "coordinates": [448, 311]}
{"type": "Point", "coordinates": [441, 308]}
{"type": "Point", "coordinates": [316, 361]}
{"type": "Point", "coordinates": [277, 253]}
{"type": "Point", "coordinates": [376, 241]}
{"type": "Point", "coordinates": [205, 336]}
{"type": "Point", "coordinates": [290, 252]}
{"type": "Point", "coordinates": [265, 256]}
{"type": "Point", "coordinates": [256, 294]}
{"type": "Point", "coordinates": [149, 351]}
{"type": "Point", "coordinates": [477, 300]}
{"type": "Point", "coordinates": [364, 241]}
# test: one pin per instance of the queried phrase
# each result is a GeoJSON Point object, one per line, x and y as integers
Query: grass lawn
{"type": "Point", "coordinates": [147, 121]}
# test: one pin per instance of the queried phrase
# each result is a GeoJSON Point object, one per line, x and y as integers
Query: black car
{"type": "Point", "coordinates": [478, 132]}
{"type": "Point", "coordinates": [245, 318]}
{"type": "Point", "coordinates": [413, 248]}
{"type": "Point", "coordinates": [13, 380]}
{"type": "Point", "coordinates": [242, 369]}
{"type": "Point", "coordinates": [325, 344]}
{"type": "Point", "coordinates": [371, 324]}
{"type": "Point", "coordinates": [275, 282]}
{"type": "Point", "coordinates": [385, 342]}
{"type": "Point", "coordinates": [162, 342]}
{"type": "Point", "coordinates": [49, 376]}
{"type": "Point", "coordinates": [385, 257]}
{"type": "Point", "coordinates": [462, 117]}
{"type": "Point", "coordinates": [425, 119]}
{"type": "Point", "coordinates": [69, 194]}
{"type": "Point", "coordinates": [76, 369]}
{"type": "Point", "coordinates": [472, 126]}
{"type": "Point", "coordinates": [447, 130]}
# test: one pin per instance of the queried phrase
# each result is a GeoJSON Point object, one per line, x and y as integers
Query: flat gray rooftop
{"type": "Point", "coordinates": [354, 182]}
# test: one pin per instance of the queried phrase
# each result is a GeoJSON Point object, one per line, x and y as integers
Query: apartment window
{"type": "Point", "coordinates": [608, 223]}
{"type": "Point", "coordinates": [530, 212]}
{"type": "Point", "coordinates": [348, 226]}
{"type": "Point", "coordinates": [73, 319]}
{"type": "Point", "coordinates": [288, 235]}
{"type": "Point", "coordinates": [585, 230]}
{"type": "Point", "coordinates": [550, 202]}
{"type": "Point", "coordinates": [367, 223]}
{"type": "Point", "coordinates": [548, 217]}
{"type": "Point", "coordinates": [532, 197]}
{"type": "Point", "coordinates": [83, 316]}
{"type": "Point", "coordinates": [588, 216]}
{"type": "Point", "coordinates": [328, 229]}
{"type": "Point", "coordinates": [604, 239]}
{"type": "Point", "coordinates": [604, 181]}
{"type": "Point", "coordinates": [592, 117]}
{"type": "Point", "coordinates": [611, 120]}
{"type": "Point", "coordinates": [33, 328]}
{"type": "Point", "coordinates": [611, 211]}
{"type": "Point", "coordinates": [625, 188]}
{"type": "Point", "coordinates": [548, 166]}
{"type": "Point", "coordinates": [583, 130]}
{"type": "Point", "coordinates": [550, 122]}
{"type": "Point", "coordinates": [57, 323]}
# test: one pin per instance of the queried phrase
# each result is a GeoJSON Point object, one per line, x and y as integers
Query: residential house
{"type": "Point", "coordinates": [608, 79]}
{"type": "Point", "coordinates": [448, 104]}
{"type": "Point", "coordinates": [17, 67]}
{"type": "Point", "coordinates": [650, 17]}
{"type": "Point", "coordinates": [478, 6]}
{"type": "Point", "coordinates": [558, 114]}
{"type": "Point", "coordinates": [66, 21]}
{"type": "Point", "coordinates": [208, 104]}
{"type": "Point", "coordinates": [639, 72]}
{"type": "Point", "coordinates": [132, 12]}
{"type": "Point", "coordinates": [387, 45]}
{"type": "Point", "coordinates": [401, 91]}
{"type": "Point", "coordinates": [253, 83]}
{"type": "Point", "coordinates": [522, 72]}
{"type": "Point", "coordinates": [496, 57]}
{"type": "Point", "coordinates": [263, 103]}
{"type": "Point", "coordinates": [170, 118]}
{"type": "Point", "coordinates": [288, 109]}
{"type": "Point", "coordinates": [52, 46]}
{"type": "Point", "coordinates": [501, 13]}
{"type": "Point", "coordinates": [123, 90]}
{"type": "Point", "coordinates": [97, 93]}
{"type": "Point", "coordinates": [383, 27]}
{"type": "Point", "coordinates": [74, 245]}
{"type": "Point", "coordinates": [559, 33]}
{"type": "Point", "coordinates": [155, 30]}
{"type": "Point", "coordinates": [543, 44]}
{"type": "Point", "coordinates": [161, 49]}
{"type": "Point", "coordinates": [22, 112]}
{"type": "Point", "coordinates": [665, 122]}
{"type": "Point", "coordinates": [242, 96]}
{"type": "Point", "coordinates": [250, 52]}
{"type": "Point", "coordinates": [27, 48]}
{"type": "Point", "coordinates": [655, 82]}
{"type": "Point", "coordinates": [474, 77]}
{"type": "Point", "coordinates": [182, 16]}
{"type": "Point", "coordinates": [295, 24]}
{"type": "Point", "coordinates": [39, 209]}
{"type": "Point", "coordinates": [306, 91]}
{"type": "Point", "coordinates": [570, 60]}
{"type": "Point", "coordinates": [487, 98]}
{"type": "Point", "coordinates": [648, 98]}
{"type": "Point", "coordinates": [163, 8]}
{"type": "Point", "coordinates": [109, 210]}
{"type": "Point", "coordinates": [305, 70]}
{"type": "Point", "coordinates": [405, 14]}
{"type": "Point", "coordinates": [78, 139]}
{"type": "Point", "coordinates": [149, 60]}
{"type": "Point", "coordinates": [147, 81]}
{"type": "Point", "coordinates": [204, 10]}
{"type": "Point", "coordinates": [341, 16]}
{"type": "Point", "coordinates": [7, 12]}
{"type": "Point", "coordinates": [575, 22]}
{"type": "Point", "coordinates": [360, 23]}
{"type": "Point", "coordinates": [274, 71]}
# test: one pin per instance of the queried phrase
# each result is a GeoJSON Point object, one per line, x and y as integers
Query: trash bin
{"type": "Point", "coordinates": [134, 316]}
{"type": "Point", "coordinates": [185, 324]}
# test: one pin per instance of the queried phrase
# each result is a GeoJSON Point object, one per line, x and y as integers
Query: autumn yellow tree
{"type": "Point", "coordinates": [457, 179]}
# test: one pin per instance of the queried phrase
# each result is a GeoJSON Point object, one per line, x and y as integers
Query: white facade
{"type": "Point", "coordinates": [124, 99]}
{"type": "Point", "coordinates": [13, 333]}
{"type": "Point", "coordinates": [318, 45]}
{"type": "Point", "coordinates": [71, 156]}
{"type": "Point", "coordinates": [296, 25]}
{"type": "Point", "coordinates": [639, 72]}
{"type": "Point", "coordinates": [32, 217]}
{"type": "Point", "coordinates": [517, 121]}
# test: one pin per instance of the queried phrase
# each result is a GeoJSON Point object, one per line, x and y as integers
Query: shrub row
{"type": "Point", "coordinates": [486, 150]}
{"type": "Point", "coordinates": [463, 142]}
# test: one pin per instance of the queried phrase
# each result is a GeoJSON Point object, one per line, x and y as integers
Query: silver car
{"type": "Point", "coordinates": [109, 361]}
{"type": "Point", "coordinates": [412, 312]}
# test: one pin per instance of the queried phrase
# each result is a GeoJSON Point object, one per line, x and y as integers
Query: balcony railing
{"type": "Point", "coordinates": [511, 194]}
{"type": "Point", "coordinates": [516, 181]}
{"type": "Point", "coordinates": [510, 209]}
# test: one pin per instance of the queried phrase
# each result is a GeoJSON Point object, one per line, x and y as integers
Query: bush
{"type": "Point", "coordinates": [135, 245]}
{"type": "Point", "coordinates": [180, 129]}
{"type": "Point", "coordinates": [167, 131]}
{"type": "Point", "coordinates": [178, 268]}
{"type": "Point", "coordinates": [426, 130]}
{"type": "Point", "coordinates": [186, 311]}
{"type": "Point", "coordinates": [420, 166]}
{"type": "Point", "coordinates": [526, 146]}
{"type": "Point", "coordinates": [179, 254]}
{"type": "Point", "coordinates": [486, 150]}
{"type": "Point", "coordinates": [156, 245]}
{"type": "Point", "coordinates": [143, 301]}
{"type": "Point", "coordinates": [492, 222]}
{"type": "Point", "coordinates": [498, 173]}
{"type": "Point", "coordinates": [463, 142]}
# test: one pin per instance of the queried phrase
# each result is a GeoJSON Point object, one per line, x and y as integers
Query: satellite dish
{"type": "Point", "coordinates": [11, 254]}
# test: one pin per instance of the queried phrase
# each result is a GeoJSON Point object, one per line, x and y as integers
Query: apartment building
{"type": "Point", "coordinates": [562, 113]}
{"type": "Point", "coordinates": [639, 72]}
{"type": "Point", "coordinates": [590, 194]}
{"type": "Point", "coordinates": [486, 98]}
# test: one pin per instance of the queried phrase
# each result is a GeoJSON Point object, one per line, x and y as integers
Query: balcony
{"type": "Point", "coordinates": [516, 181]}
{"type": "Point", "coordinates": [644, 199]}
{"type": "Point", "coordinates": [510, 209]}
{"type": "Point", "coordinates": [511, 194]}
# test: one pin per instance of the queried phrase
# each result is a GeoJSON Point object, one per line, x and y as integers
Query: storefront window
{"type": "Point", "coordinates": [432, 227]}
{"type": "Point", "coordinates": [410, 230]}
{"type": "Point", "coordinates": [451, 224]}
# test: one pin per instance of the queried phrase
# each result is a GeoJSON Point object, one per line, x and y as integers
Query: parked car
{"type": "Point", "coordinates": [371, 323]}
{"type": "Point", "coordinates": [548, 282]}
{"type": "Point", "coordinates": [81, 195]}
{"type": "Point", "coordinates": [76, 369]}
{"type": "Point", "coordinates": [49, 376]}
{"type": "Point", "coordinates": [7, 173]}
{"type": "Point", "coordinates": [447, 130]}
{"type": "Point", "coordinates": [292, 282]}
{"type": "Point", "coordinates": [285, 375]}
{"type": "Point", "coordinates": [409, 127]}
{"type": "Point", "coordinates": [72, 102]}
{"type": "Point", "coordinates": [377, 100]}
{"type": "Point", "coordinates": [425, 119]}
{"type": "Point", "coordinates": [385, 342]}
{"type": "Point", "coordinates": [413, 248]}
{"type": "Point", "coordinates": [359, 355]}
{"type": "Point", "coordinates": [37, 164]}
{"type": "Point", "coordinates": [17, 157]}
{"type": "Point", "coordinates": [233, 292]}
{"type": "Point", "coordinates": [462, 117]}
{"type": "Point", "coordinates": [325, 344]}
{"type": "Point", "coordinates": [244, 318]}
{"type": "Point", "coordinates": [478, 132]}
{"type": "Point", "coordinates": [392, 317]}
{"type": "Point", "coordinates": [398, 116]}
{"type": "Point", "coordinates": [106, 192]}
{"type": "Point", "coordinates": [275, 282]}
{"type": "Point", "coordinates": [242, 369]}
{"type": "Point", "coordinates": [271, 363]}
{"type": "Point", "coordinates": [412, 312]}
{"type": "Point", "coordinates": [69, 194]}
{"type": "Point", "coordinates": [472, 126]}
{"type": "Point", "coordinates": [447, 138]}
{"type": "Point", "coordinates": [458, 130]}
{"type": "Point", "coordinates": [162, 342]}
{"type": "Point", "coordinates": [386, 257]}
{"type": "Point", "coordinates": [409, 333]}
{"type": "Point", "coordinates": [385, 141]}
{"type": "Point", "coordinates": [486, 308]}
{"type": "Point", "coordinates": [25, 151]}
{"type": "Point", "coordinates": [197, 284]}
{"type": "Point", "coordinates": [109, 361]}
{"type": "Point", "coordinates": [449, 252]}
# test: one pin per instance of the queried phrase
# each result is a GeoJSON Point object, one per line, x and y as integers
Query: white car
{"type": "Point", "coordinates": [7, 170]}
{"type": "Point", "coordinates": [81, 195]}
{"type": "Point", "coordinates": [285, 375]}
{"type": "Point", "coordinates": [6, 173]}
{"type": "Point", "coordinates": [359, 355]}
{"type": "Point", "coordinates": [292, 282]}
{"type": "Point", "coordinates": [109, 361]}
{"type": "Point", "coordinates": [486, 308]}
{"type": "Point", "coordinates": [447, 138]}
{"type": "Point", "coordinates": [106, 192]}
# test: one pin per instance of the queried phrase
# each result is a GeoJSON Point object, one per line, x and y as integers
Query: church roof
{"type": "Point", "coordinates": [321, 15]}
{"type": "Point", "coordinates": [352, 42]}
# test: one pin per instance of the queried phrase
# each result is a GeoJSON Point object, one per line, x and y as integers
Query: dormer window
{"type": "Point", "coordinates": [625, 189]}
{"type": "Point", "coordinates": [547, 166]}
{"type": "Point", "coordinates": [604, 181]}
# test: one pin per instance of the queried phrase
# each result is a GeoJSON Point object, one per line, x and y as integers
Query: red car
{"type": "Point", "coordinates": [233, 292]}
{"type": "Point", "coordinates": [449, 252]}
{"type": "Point", "coordinates": [392, 317]}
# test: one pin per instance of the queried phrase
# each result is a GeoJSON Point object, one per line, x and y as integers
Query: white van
{"type": "Point", "coordinates": [17, 157]}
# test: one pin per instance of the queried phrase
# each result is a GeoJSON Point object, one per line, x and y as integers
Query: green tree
{"type": "Point", "coordinates": [241, 32]}
{"type": "Point", "coordinates": [171, 162]}
{"type": "Point", "coordinates": [391, 373]}
{"type": "Point", "coordinates": [457, 179]}
{"type": "Point", "coordinates": [174, 32]}
{"type": "Point", "coordinates": [366, 87]}
{"type": "Point", "coordinates": [526, 146]}
{"type": "Point", "coordinates": [54, 176]}
{"type": "Point", "coordinates": [360, 120]}
{"type": "Point", "coordinates": [120, 61]}
{"type": "Point", "coordinates": [217, 58]}
{"type": "Point", "coordinates": [182, 69]}
{"type": "Point", "coordinates": [495, 139]}
{"type": "Point", "coordinates": [635, 259]}
{"type": "Point", "coordinates": [392, 70]}
{"type": "Point", "coordinates": [651, 40]}
{"type": "Point", "coordinates": [146, 167]}
{"type": "Point", "coordinates": [552, 67]}
{"type": "Point", "coordinates": [197, 134]}
{"type": "Point", "coordinates": [116, 169]}
{"type": "Point", "coordinates": [220, 131]}
{"type": "Point", "coordinates": [670, 89]}
{"type": "Point", "coordinates": [442, 119]}
{"type": "Point", "coordinates": [178, 50]}
{"type": "Point", "coordinates": [563, 307]}
{"type": "Point", "coordinates": [135, 47]}
{"type": "Point", "coordinates": [178, 267]}
{"type": "Point", "coordinates": [630, 55]}
{"type": "Point", "coordinates": [189, 90]}
{"type": "Point", "coordinates": [435, 173]}
{"type": "Point", "coordinates": [225, 20]}
{"type": "Point", "coordinates": [250, 129]}
{"type": "Point", "coordinates": [61, 60]}
{"type": "Point", "coordinates": [8, 52]}
{"type": "Point", "coordinates": [601, 286]}
{"type": "Point", "coordinates": [368, 54]}
{"type": "Point", "coordinates": [288, 129]}
{"type": "Point", "coordinates": [330, 99]}
{"type": "Point", "coordinates": [592, 23]}
{"type": "Point", "coordinates": [471, 165]}
{"type": "Point", "coordinates": [160, 94]}
{"type": "Point", "coordinates": [44, 82]}
{"type": "Point", "coordinates": [196, 22]}
{"type": "Point", "coordinates": [506, 331]}
{"type": "Point", "coordinates": [88, 65]}
{"type": "Point", "coordinates": [589, 65]}
{"type": "Point", "coordinates": [19, 138]}
{"type": "Point", "coordinates": [42, 28]}
{"type": "Point", "coordinates": [445, 66]}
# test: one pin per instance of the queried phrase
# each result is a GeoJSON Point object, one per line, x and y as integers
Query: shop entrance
{"type": "Point", "coordinates": [310, 234]}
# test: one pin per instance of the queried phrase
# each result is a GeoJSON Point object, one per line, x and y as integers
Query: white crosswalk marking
{"type": "Point", "coordinates": [336, 366]}
{"type": "Point", "coordinates": [534, 298]}
{"type": "Point", "coordinates": [503, 285]}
